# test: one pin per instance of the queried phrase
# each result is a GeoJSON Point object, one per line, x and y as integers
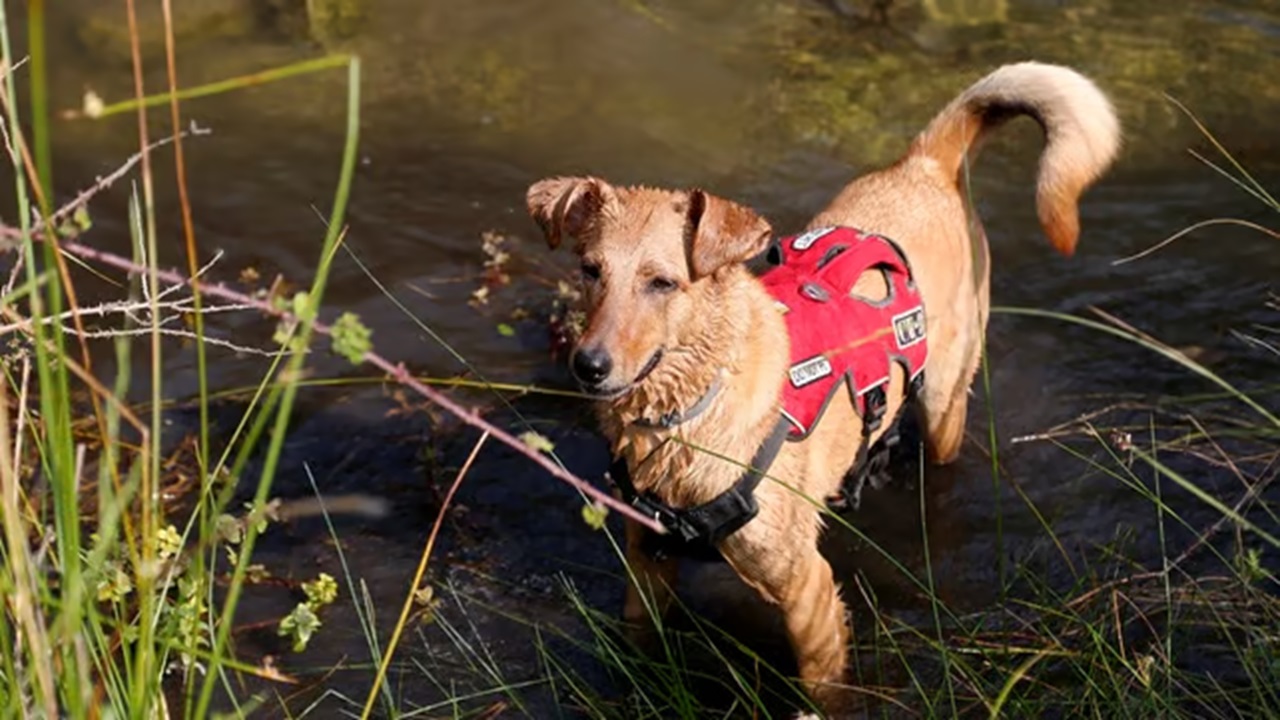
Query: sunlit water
{"type": "Point", "coordinates": [773, 103]}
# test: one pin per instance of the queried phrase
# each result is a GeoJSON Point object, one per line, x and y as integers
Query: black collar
{"type": "Point", "coordinates": [699, 529]}
{"type": "Point", "coordinates": [669, 420]}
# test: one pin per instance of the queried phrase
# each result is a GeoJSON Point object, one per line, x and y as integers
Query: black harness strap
{"type": "Point", "coordinates": [872, 462]}
{"type": "Point", "coordinates": [695, 531]}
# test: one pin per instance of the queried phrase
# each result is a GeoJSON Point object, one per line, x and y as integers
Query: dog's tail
{"type": "Point", "coordinates": [1082, 135]}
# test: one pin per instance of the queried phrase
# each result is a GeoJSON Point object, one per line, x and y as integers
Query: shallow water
{"type": "Point", "coordinates": [773, 103]}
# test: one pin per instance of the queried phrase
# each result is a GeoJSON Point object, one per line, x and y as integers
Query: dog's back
{"type": "Point", "coordinates": [921, 203]}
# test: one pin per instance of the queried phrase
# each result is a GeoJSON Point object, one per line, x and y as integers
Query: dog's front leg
{"type": "Point", "coordinates": [801, 584]}
{"type": "Point", "coordinates": [650, 583]}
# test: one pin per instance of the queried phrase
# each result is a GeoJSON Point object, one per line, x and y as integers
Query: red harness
{"type": "Point", "coordinates": [837, 336]}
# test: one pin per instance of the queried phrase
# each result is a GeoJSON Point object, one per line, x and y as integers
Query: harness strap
{"type": "Point", "coordinates": [872, 461]}
{"type": "Point", "coordinates": [870, 466]}
{"type": "Point", "coordinates": [716, 519]}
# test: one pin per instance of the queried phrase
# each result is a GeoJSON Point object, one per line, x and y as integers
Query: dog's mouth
{"type": "Point", "coordinates": [648, 367]}
{"type": "Point", "coordinates": [601, 393]}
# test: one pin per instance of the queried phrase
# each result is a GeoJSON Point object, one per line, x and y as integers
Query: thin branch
{"type": "Point", "coordinates": [100, 184]}
{"type": "Point", "coordinates": [183, 334]}
{"type": "Point", "coordinates": [127, 308]}
{"type": "Point", "coordinates": [396, 371]}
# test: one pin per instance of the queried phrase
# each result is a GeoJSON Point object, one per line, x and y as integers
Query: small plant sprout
{"type": "Point", "coordinates": [537, 441]}
{"type": "Point", "coordinates": [425, 598]}
{"type": "Point", "coordinates": [594, 514]}
{"type": "Point", "coordinates": [300, 625]}
{"type": "Point", "coordinates": [115, 586]}
{"type": "Point", "coordinates": [168, 542]}
{"type": "Point", "coordinates": [351, 338]}
{"type": "Point", "coordinates": [304, 621]}
{"type": "Point", "coordinates": [321, 591]}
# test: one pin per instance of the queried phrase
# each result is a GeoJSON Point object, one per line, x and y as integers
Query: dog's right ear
{"type": "Point", "coordinates": [566, 205]}
{"type": "Point", "coordinates": [722, 232]}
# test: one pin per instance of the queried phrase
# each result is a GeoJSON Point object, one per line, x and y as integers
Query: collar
{"type": "Point", "coordinates": [698, 530]}
{"type": "Point", "coordinates": [668, 420]}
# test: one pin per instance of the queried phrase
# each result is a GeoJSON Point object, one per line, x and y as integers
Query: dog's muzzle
{"type": "Point", "coordinates": [595, 390]}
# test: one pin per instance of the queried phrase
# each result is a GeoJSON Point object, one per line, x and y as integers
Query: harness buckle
{"type": "Point", "coordinates": [666, 516]}
{"type": "Point", "coordinates": [876, 403]}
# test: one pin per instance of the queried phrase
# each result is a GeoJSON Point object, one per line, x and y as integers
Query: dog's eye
{"type": "Point", "coordinates": [662, 285]}
{"type": "Point", "coordinates": [590, 271]}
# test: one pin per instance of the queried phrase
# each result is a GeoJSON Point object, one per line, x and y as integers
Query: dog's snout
{"type": "Point", "coordinates": [591, 365]}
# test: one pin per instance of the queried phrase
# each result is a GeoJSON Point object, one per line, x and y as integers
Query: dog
{"type": "Point", "coordinates": [677, 323]}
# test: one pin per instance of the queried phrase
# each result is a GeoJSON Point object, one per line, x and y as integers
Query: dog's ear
{"type": "Point", "coordinates": [722, 232]}
{"type": "Point", "coordinates": [566, 205]}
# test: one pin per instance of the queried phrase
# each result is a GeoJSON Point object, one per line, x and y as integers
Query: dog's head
{"type": "Point", "coordinates": [650, 260]}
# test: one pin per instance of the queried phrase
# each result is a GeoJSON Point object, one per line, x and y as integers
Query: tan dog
{"type": "Point", "coordinates": [671, 309]}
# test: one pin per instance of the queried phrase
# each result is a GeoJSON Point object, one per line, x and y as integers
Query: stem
{"type": "Point", "coordinates": [142, 690]}
{"type": "Point", "coordinates": [204, 515]}
{"type": "Point", "coordinates": [293, 372]}
{"type": "Point", "coordinates": [417, 579]}
{"type": "Point", "coordinates": [54, 397]}
{"type": "Point", "coordinates": [40, 96]}
{"type": "Point", "coordinates": [214, 88]}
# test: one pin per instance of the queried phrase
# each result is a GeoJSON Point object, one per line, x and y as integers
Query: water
{"type": "Point", "coordinates": [773, 103]}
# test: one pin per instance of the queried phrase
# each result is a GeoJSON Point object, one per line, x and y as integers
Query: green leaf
{"type": "Point", "coordinates": [594, 515]}
{"type": "Point", "coordinates": [300, 625]}
{"type": "Point", "coordinates": [258, 518]}
{"type": "Point", "coordinates": [321, 591]}
{"type": "Point", "coordinates": [228, 529]}
{"type": "Point", "coordinates": [285, 336]}
{"type": "Point", "coordinates": [257, 573]}
{"type": "Point", "coordinates": [168, 542]}
{"type": "Point", "coordinates": [506, 330]}
{"type": "Point", "coordinates": [351, 339]}
{"type": "Point", "coordinates": [81, 218]}
{"type": "Point", "coordinates": [301, 305]}
{"type": "Point", "coordinates": [116, 586]}
{"type": "Point", "coordinates": [537, 441]}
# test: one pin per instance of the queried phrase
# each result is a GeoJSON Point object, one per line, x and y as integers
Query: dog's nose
{"type": "Point", "coordinates": [591, 366]}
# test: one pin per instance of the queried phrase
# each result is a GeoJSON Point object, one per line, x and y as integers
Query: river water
{"type": "Point", "coordinates": [774, 103]}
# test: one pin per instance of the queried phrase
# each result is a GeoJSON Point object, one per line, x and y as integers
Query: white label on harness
{"type": "Point", "coordinates": [908, 327]}
{"type": "Point", "coordinates": [813, 369]}
{"type": "Point", "coordinates": [806, 241]}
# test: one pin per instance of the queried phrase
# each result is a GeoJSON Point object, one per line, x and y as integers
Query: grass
{"type": "Point", "coordinates": [118, 603]}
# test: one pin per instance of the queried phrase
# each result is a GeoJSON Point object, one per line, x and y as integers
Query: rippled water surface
{"type": "Point", "coordinates": [774, 103]}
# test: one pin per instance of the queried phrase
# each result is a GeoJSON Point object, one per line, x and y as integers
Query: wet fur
{"type": "Point", "coordinates": [720, 319]}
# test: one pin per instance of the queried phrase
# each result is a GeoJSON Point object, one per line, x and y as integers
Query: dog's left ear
{"type": "Point", "coordinates": [722, 232]}
{"type": "Point", "coordinates": [567, 205]}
